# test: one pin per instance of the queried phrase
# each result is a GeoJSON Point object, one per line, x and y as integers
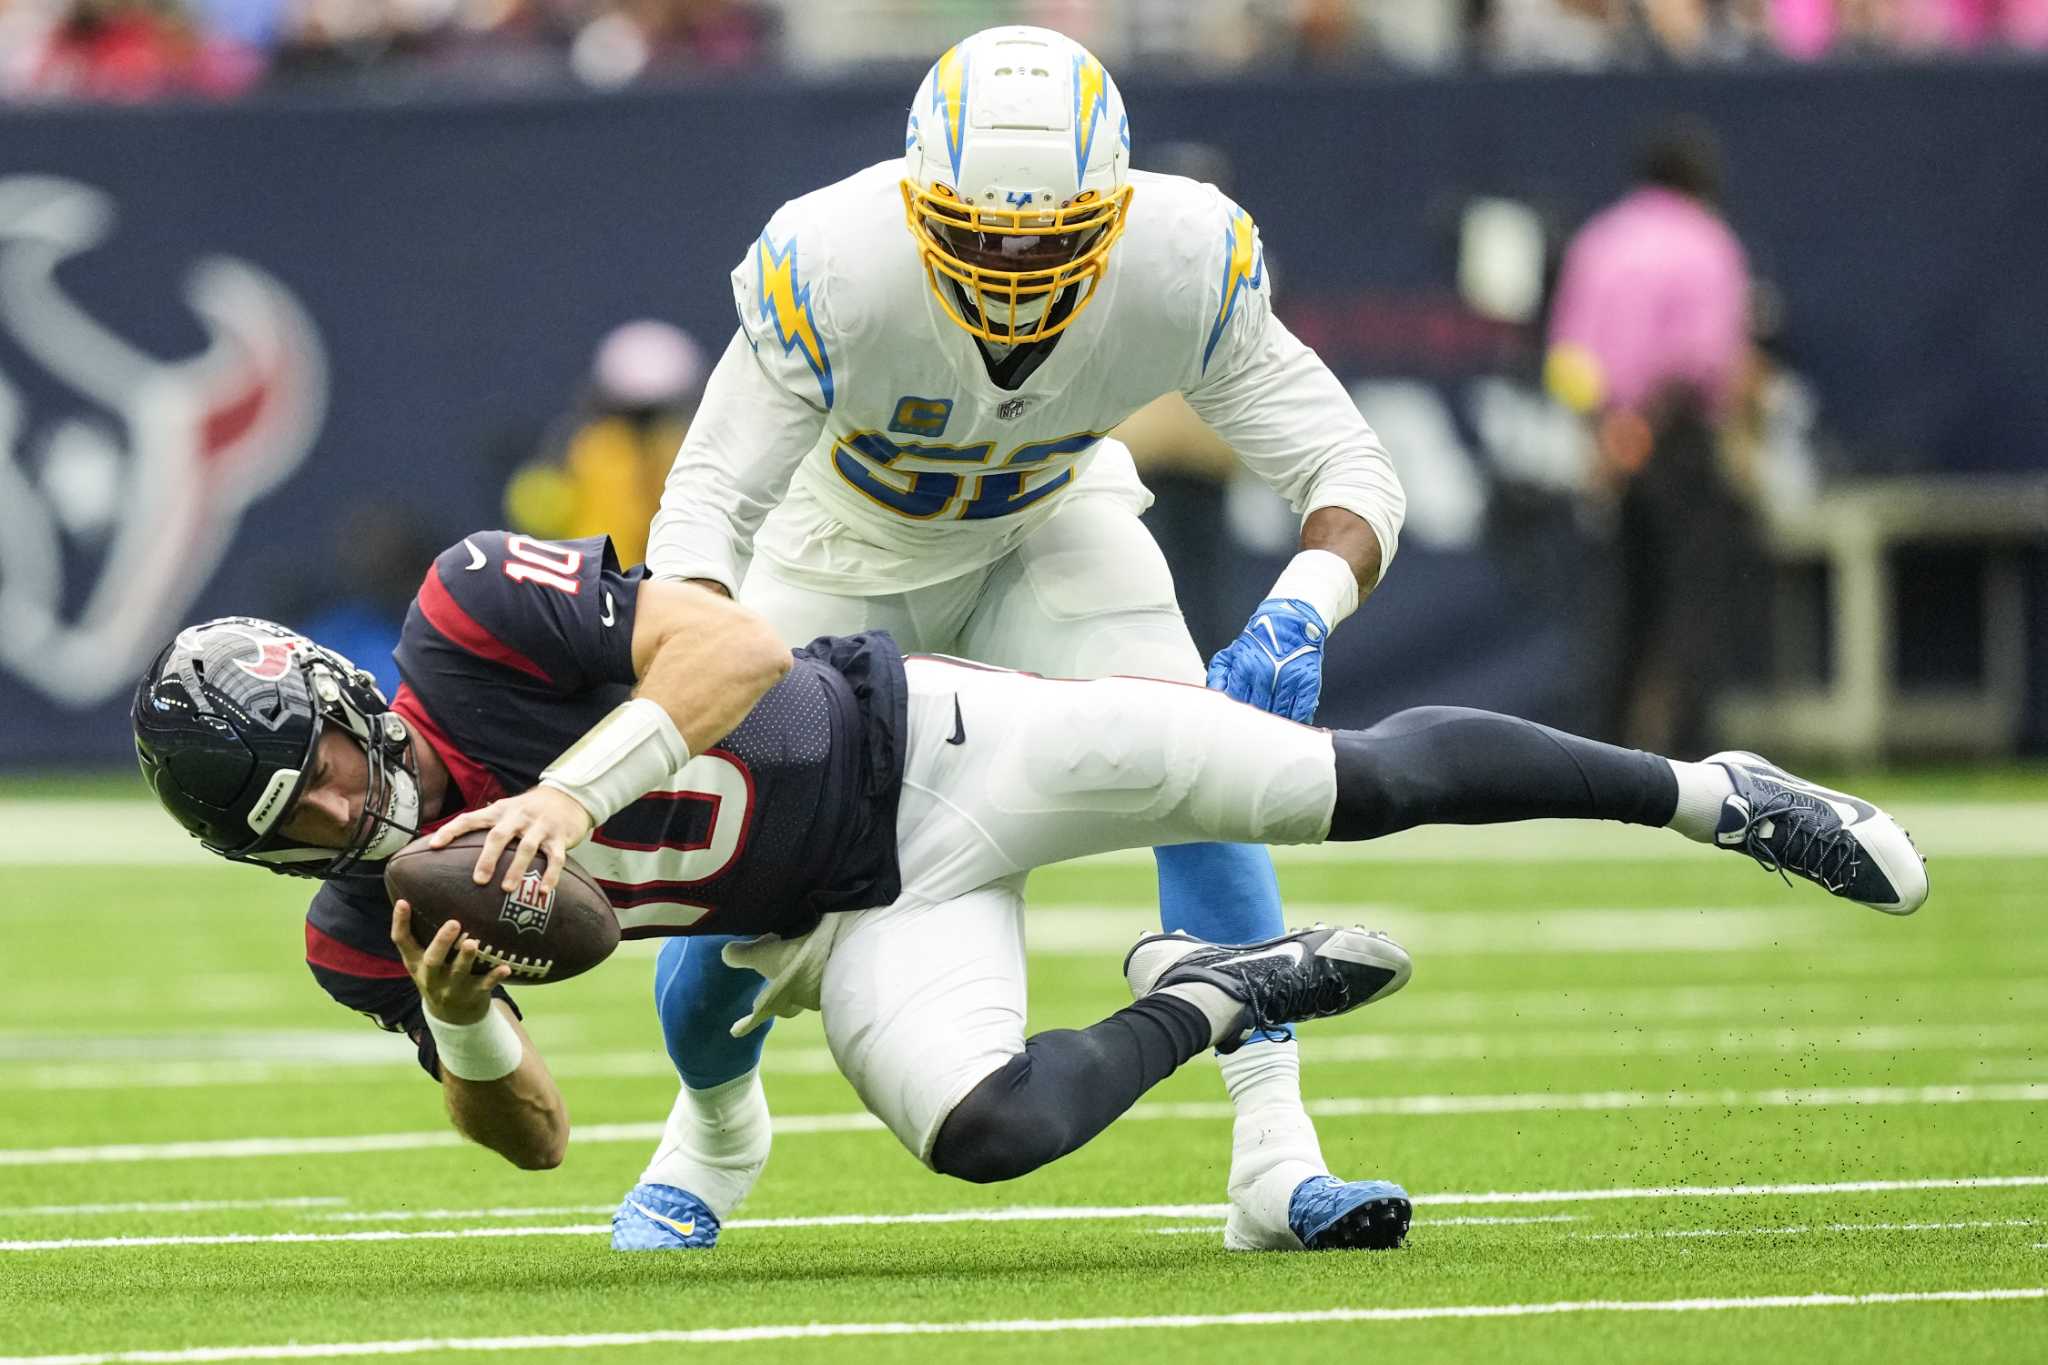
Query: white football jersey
{"type": "Point", "coordinates": [855, 436]}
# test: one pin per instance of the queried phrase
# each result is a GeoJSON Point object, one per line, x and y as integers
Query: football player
{"type": "Point", "coordinates": [907, 432]}
{"type": "Point", "coordinates": [867, 823]}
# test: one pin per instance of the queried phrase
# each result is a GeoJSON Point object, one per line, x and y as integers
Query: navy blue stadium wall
{"type": "Point", "coordinates": [223, 329]}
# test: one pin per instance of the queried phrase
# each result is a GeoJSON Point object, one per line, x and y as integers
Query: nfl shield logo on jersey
{"type": "Point", "coordinates": [1012, 408]}
{"type": "Point", "coordinates": [528, 908]}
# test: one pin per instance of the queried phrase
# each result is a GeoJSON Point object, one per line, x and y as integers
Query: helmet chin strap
{"type": "Point", "coordinates": [399, 821]}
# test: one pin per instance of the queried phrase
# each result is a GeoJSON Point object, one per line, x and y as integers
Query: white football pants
{"type": "Point", "coordinates": [924, 998]}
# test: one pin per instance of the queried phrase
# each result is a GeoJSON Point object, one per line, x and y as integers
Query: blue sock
{"type": "Point", "coordinates": [698, 997]}
{"type": "Point", "coordinates": [1225, 893]}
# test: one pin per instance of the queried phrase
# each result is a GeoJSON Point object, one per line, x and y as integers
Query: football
{"type": "Point", "coordinates": [542, 936]}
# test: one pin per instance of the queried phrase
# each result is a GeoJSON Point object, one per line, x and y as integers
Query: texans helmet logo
{"type": "Point", "coordinates": [273, 659]}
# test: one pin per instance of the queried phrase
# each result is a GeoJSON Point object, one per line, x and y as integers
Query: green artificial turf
{"type": "Point", "coordinates": [1576, 1025]}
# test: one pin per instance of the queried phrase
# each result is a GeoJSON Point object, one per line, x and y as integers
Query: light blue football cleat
{"type": "Point", "coordinates": [1842, 842]}
{"type": "Point", "coordinates": [663, 1218]}
{"type": "Point", "coordinates": [1329, 1214]}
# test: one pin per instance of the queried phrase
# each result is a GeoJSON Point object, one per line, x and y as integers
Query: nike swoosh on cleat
{"type": "Point", "coordinates": [681, 1229]}
{"type": "Point", "coordinates": [476, 556]}
{"type": "Point", "coordinates": [1292, 951]}
{"type": "Point", "coordinates": [959, 735]}
{"type": "Point", "coordinates": [1853, 813]}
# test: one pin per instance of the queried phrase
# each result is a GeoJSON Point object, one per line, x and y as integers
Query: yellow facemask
{"type": "Point", "coordinates": [1010, 259]}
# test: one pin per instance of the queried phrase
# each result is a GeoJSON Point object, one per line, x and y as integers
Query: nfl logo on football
{"type": "Point", "coordinates": [527, 909]}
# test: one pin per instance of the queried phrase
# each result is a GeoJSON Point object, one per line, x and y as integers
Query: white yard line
{"type": "Point", "coordinates": [1977, 1182]}
{"type": "Point", "coordinates": [1059, 1213]}
{"type": "Point", "coordinates": [817, 1331]}
{"type": "Point", "coordinates": [1802, 1229]}
{"type": "Point", "coordinates": [1053, 1213]}
{"type": "Point", "coordinates": [1992, 1182]}
{"type": "Point", "coordinates": [1814, 1097]}
{"type": "Point", "coordinates": [228, 1239]}
{"type": "Point", "coordinates": [108, 833]}
{"type": "Point", "coordinates": [2022, 1042]}
{"type": "Point", "coordinates": [170, 1206]}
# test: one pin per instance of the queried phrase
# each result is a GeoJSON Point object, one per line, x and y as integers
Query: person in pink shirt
{"type": "Point", "coordinates": [1649, 336]}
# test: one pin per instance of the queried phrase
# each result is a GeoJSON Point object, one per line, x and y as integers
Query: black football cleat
{"type": "Point", "coordinates": [1838, 841]}
{"type": "Point", "coordinates": [1309, 974]}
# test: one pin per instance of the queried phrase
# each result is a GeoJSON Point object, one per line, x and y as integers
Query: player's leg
{"type": "Point", "coordinates": [1089, 595]}
{"type": "Point", "coordinates": [715, 1143]}
{"type": "Point", "coordinates": [924, 1001]}
{"type": "Point", "coordinates": [1453, 765]}
{"type": "Point", "coordinates": [1054, 770]}
{"type": "Point", "coordinates": [924, 1011]}
{"type": "Point", "coordinates": [716, 1139]}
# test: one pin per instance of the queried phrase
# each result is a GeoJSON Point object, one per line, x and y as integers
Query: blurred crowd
{"type": "Point", "coordinates": [137, 50]}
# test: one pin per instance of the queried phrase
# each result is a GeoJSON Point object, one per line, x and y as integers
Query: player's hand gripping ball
{"type": "Point", "coordinates": [1276, 664]}
{"type": "Point", "coordinates": [541, 935]}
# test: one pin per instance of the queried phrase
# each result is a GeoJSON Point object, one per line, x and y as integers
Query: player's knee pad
{"type": "Point", "coordinates": [1001, 1130]}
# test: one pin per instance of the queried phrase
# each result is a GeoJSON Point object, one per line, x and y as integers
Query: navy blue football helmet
{"type": "Point", "coordinates": [227, 721]}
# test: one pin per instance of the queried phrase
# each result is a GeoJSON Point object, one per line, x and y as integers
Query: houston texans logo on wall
{"type": "Point", "coordinates": [117, 505]}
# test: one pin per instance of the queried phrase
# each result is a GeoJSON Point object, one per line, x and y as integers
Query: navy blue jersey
{"type": "Point", "coordinates": [514, 648]}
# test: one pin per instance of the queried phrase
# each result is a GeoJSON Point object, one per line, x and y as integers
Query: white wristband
{"type": "Point", "coordinates": [1322, 579]}
{"type": "Point", "coordinates": [620, 759]}
{"type": "Point", "coordinates": [488, 1050]}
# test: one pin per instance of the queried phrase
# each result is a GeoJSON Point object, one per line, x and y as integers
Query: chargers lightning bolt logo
{"type": "Point", "coordinates": [1243, 268]}
{"type": "Point", "coordinates": [786, 302]}
{"type": "Point", "coordinates": [1091, 102]}
{"type": "Point", "coordinates": [949, 104]}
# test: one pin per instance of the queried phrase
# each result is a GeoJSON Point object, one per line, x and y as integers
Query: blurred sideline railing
{"type": "Point", "coordinates": [1860, 712]}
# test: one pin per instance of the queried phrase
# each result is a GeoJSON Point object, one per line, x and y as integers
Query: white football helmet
{"type": "Point", "coordinates": [1016, 169]}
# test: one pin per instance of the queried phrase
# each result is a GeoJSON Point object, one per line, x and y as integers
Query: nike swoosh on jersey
{"type": "Point", "coordinates": [680, 1229]}
{"type": "Point", "coordinates": [476, 556]}
{"type": "Point", "coordinates": [607, 618]}
{"type": "Point", "coordinates": [959, 735]}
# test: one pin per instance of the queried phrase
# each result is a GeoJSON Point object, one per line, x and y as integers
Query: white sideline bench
{"type": "Point", "coordinates": [1861, 714]}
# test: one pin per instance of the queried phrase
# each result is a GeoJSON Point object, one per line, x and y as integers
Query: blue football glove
{"type": "Point", "coordinates": [1277, 663]}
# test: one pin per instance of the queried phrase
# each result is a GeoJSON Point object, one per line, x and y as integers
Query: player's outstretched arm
{"type": "Point", "coordinates": [497, 1088]}
{"type": "Point", "coordinates": [743, 447]}
{"type": "Point", "coordinates": [1294, 426]}
{"type": "Point", "coordinates": [702, 663]}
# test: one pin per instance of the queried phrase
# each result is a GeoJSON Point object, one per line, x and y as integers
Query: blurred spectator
{"type": "Point", "coordinates": [634, 37]}
{"type": "Point", "coordinates": [126, 52]}
{"type": "Point", "coordinates": [145, 49]}
{"type": "Point", "coordinates": [601, 471]}
{"type": "Point", "coordinates": [1649, 338]}
{"type": "Point", "coordinates": [379, 556]}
